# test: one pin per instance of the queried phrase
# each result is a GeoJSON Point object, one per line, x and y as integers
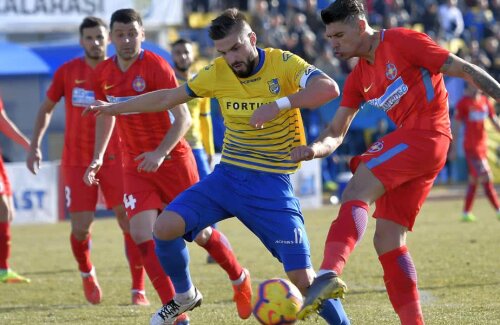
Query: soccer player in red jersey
{"type": "Point", "coordinates": [472, 111]}
{"type": "Point", "coordinates": [158, 162]}
{"type": "Point", "coordinates": [7, 275]}
{"type": "Point", "coordinates": [73, 81]}
{"type": "Point", "coordinates": [400, 71]}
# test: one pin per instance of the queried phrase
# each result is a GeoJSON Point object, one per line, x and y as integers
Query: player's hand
{"type": "Point", "coordinates": [264, 114]}
{"type": "Point", "coordinates": [151, 161]}
{"type": "Point", "coordinates": [100, 107]}
{"type": "Point", "coordinates": [89, 177]}
{"type": "Point", "coordinates": [302, 153]}
{"type": "Point", "coordinates": [33, 160]}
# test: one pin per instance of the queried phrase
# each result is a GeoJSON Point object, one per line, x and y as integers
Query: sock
{"type": "Point", "coordinates": [174, 258]}
{"type": "Point", "coordinates": [81, 252]}
{"type": "Point", "coordinates": [333, 312]}
{"type": "Point", "coordinates": [469, 197]}
{"type": "Point", "coordinates": [4, 245]}
{"type": "Point", "coordinates": [160, 281]}
{"type": "Point", "coordinates": [400, 279]}
{"type": "Point", "coordinates": [221, 252]}
{"type": "Point", "coordinates": [344, 234]}
{"type": "Point", "coordinates": [491, 194]}
{"type": "Point", "coordinates": [135, 263]}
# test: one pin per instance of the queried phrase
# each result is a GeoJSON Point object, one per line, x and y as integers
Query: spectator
{"type": "Point", "coordinates": [451, 19]}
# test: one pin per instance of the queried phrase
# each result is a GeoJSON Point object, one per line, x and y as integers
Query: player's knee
{"type": "Point", "coordinates": [168, 226]}
{"type": "Point", "coordinates": [203, 237]}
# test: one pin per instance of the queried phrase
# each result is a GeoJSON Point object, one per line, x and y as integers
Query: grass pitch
{"type": "Point", "coordinates": [458, 267]}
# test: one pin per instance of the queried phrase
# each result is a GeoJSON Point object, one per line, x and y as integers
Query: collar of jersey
{"type": "Point", "coordinates": [141, 56]}
{"type": "Point", "coordinates": [262, 57]}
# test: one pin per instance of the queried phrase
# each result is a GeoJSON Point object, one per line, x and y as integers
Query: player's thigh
{"type": "Point", "coordinates": [478, 166]}
{"type": "Point", "coordinates": [402, 204]}
{"type": "Point", "coordinates": [111, 184]}
{"type": "Point", "coordinates": [77, 195]}
{"type": "Point", "coordinates": [140, 192]}
{"type": "Point", "coordinates": [404, 155]}
{"type": "Point", "coordinates": [141, 225]}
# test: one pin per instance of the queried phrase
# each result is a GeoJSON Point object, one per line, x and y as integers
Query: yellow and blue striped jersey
{"type": "Point", "coordinates": [278, 74]}
{"type": "Point", "coordinates": [200, 134]}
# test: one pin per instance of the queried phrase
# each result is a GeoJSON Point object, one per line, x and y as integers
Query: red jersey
{"type": "Point", "coordinates": [138, 132]}
{"type": "Point", "coordinates": [73, 81]}
{"type": "Point", "coordinates": [404, 81]}
{"type": "Point", "coordinates": [472, 112]}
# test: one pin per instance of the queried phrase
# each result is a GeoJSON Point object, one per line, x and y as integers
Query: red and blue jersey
{"type": "Point", "coordinates": [473, 112]}
{"type": "Point", "coordinates": [404, 81]}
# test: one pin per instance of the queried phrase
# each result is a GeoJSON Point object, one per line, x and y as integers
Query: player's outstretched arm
{"type": "Point", "coordinates": [319, 90]}
{"type": "Point", "coordinates": [12, 132]}
{"type": "Point", "coordinates": [42, 121]}
{"type": "Point", "coordinates": [457, 67]}
{"type": "Point", "coordinates": [155, 101]}
{"type": "Point", "coordinates": [329, 139]}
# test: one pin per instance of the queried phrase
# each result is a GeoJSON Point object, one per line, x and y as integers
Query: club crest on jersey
{"type": "Point", "coordinates": [274, 86]}
{"type": "Point", "coordinates": [391, 71]}
{"type": "Point", "coordinates": [376, 147]}
{"type": "Point", "coordinates": [139, 84]}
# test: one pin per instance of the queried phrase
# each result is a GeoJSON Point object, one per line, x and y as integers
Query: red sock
{"type": "Point", "coordinates": [135, 262]}
{"type": "Point", "coordinates": [161, 282]}
{"type": "Point", "coordinates": [4, 245]}
{"type": "Point", "coordinates": [400, 279]}
{"type": "Point", "coordinates": [491, 194]}
{"type": "Point", "coordinates": [81, 251]}
{"type": "Point", "coordinates": [469, 197]}
{"type": "Point", "coordinates": [344, 234]}
{"type": "Point", "coordinates": [218, 247]}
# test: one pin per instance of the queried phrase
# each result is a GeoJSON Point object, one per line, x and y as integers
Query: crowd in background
{"type": "Point", "coordinates": [468, 28]}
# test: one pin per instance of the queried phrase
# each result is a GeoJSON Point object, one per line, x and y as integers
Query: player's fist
{"type": "Point", "coordinates": [263, 114]}
{"type": "Point", "coordinates": [302, 153]}
{"type": "Point", "coordinates": [89, 177]}
{"type": "Point", "coordinates": [33, 160]}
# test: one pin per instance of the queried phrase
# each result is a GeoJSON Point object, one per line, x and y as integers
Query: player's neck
{"type": "Point", "coordinates": [125, 64]}
{"type": "Point", "coordinates": [93, 62]}
{"type": "Point", "coordinates": [373, 40]}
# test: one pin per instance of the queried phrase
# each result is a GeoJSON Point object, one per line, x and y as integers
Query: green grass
{"type": "Point", "coordinates": [458, 267]}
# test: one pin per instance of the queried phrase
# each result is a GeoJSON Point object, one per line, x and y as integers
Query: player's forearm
{"type": "Point", "coordinates": [42, 123]}
{"type": "Point", "coordinates": [13, 133]}
{"type": "Point", "coordinates": [326, 144]}
{"type": "Point", "coordinates": [319, 91]}
{"type": "Point", "coordinates": [103, 130]}
{"type": "Point", "coordinates": [155, 101]}
{"type": "Point", "coordinates": [177, 130]}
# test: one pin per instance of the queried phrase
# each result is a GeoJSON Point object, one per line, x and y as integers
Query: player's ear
{"type": "Point", "coordinates": [362, 25]}
{"type": "Point", "coordinates": [143, 34]}
{"type": "Point", "coordinates": [253, 38]}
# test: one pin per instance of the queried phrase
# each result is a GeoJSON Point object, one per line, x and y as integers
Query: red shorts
{"type": "Point", "coordinates": [5, 188]}
{"type": "Point", "coordinates": [477, 163]}
{"type": "Point", "coordinates": [153, 191]}
{"type": "Point", "coordinates": [81, 197]}
{"type": "Point", "coordinates": [406, 162]}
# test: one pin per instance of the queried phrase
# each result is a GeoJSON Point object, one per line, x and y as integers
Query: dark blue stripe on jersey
{"type": "Point", "coordinates": [315, 73]}
{"type": "Point", "coordinates": [262, 137]}
{"type": "Point", "coordinates": [267, 145]}
{"type": "Point", "coordinates": [271, 166]}
{"type": "Point", "coordinates": [261, 154]}
{"type": "Point", "coordinates": [382, 36]}
{"type": "Point", "coordinates": [386, 155]}
{"type": "Point", "coordinates": [271, 160]}
{"type": "Point", "coordinates": [189, 91]}
{"type": "Point", "coordinates": [262, 57]}
{"type": "Point", "coordinates": [426, 78]}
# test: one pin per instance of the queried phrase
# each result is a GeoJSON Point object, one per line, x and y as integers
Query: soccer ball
{"type": "Point", "coordinates": [278, 302]}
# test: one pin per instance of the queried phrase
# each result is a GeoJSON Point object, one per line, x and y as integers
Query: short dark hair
{"type": "Point", "coordinates": [125, 16]}
{"type": "Point", "coordinates": [342, 10]}
{"type": "Point", "coordinates": [180, 41]}
{"type": "Point", "coordinates": [226, 23]}
{"type": "Point", "coordinates": [89, 22]}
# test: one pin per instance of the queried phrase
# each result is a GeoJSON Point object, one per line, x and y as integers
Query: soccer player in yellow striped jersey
{"type": "Point", "coordinates": [252, 182]}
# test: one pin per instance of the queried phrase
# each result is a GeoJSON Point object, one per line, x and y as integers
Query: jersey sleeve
{"type": "Point", "coordinates": [165, 76]}
{"type": "Point", "coordinates": [351, 94]}
{"type": "Point", "coordinates": [420, 50]}
{"type": "Point", "coordinates": [297, 70]}
{"type": "Point", "coordinates": [56, 88]}
{"type": "Point", "coordinates": [201, 84]}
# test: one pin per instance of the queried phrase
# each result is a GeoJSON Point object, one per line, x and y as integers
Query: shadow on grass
{"type": "Point", "coordinates": [425, 288]}
{"type": "Point", "coordinates": [50, 272]}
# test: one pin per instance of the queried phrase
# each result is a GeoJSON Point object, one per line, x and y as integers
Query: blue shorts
{"type": "Point", "coordinates": [263, 202]}
{"type": "Point", "coordinates": [201, 158]}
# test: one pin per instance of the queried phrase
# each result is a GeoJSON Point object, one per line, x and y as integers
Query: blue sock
{"type": "Point", "coordinates": [333, 312]}
{"type": "Point", "coordinates": [174, 258]}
